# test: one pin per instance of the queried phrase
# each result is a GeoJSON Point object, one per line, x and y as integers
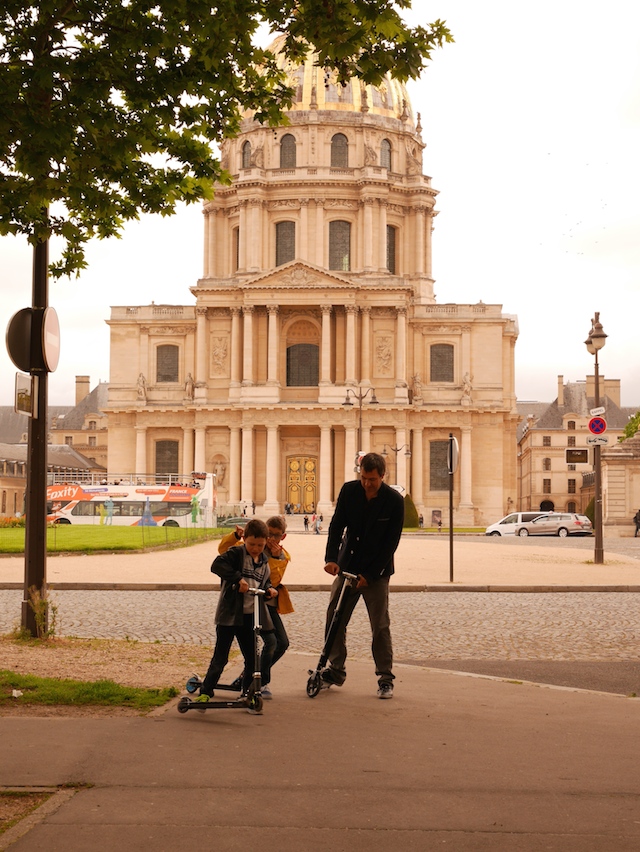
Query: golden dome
{"type": "Point", "coordinates": [319, 89]}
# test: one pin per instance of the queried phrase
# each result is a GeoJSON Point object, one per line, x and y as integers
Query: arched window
{"type": "Point", "coordinates": [167, 360]}
{"type": "Point", "coordinates": [303, 354]}
{"type": "Point", "coordinates": [92, 424]}
{"type": "Point", "coordinates": [385, 154]}
{"type": "Point", "coordinates": [246, 155]}
{"type": "Point", "coordinates": [391, 249]}
{"type": "Point", "coordinates": [571, 507]}
{"type": "Point", "coordinates": [546, 464]}
{"type": "Point", "coordinates": [167, 457]}
{"type": "Point", "coordinates": [339, 151]}
{"type": "Point", "coordinates": [285, 242]}
{"type": "Point", "coordinates": [571, 425]}
{"type": "Point", "coordinates": [340, 245]}
{"type": "Point", "coordinates": [441, 363]}
{"type": "Point", "coordinates": [288, 151]}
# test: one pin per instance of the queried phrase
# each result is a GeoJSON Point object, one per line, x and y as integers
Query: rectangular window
{"type": "Point", "coordinates": [167, 363]}
{"type": "Point", "coordinates": [92, 440]}
{"type": "Point", "coordinates": [441, 363]}
{"type": "Point", "coordinates": [391, 249]}
{"type": "Point", "coordinates": [546, 486]}
{"type": "Point", "coordinates": [571, 441]}
{"type": "Point", "coordinates": [285, 242]}
{"type": "Point", "coordinates": [546, 440]}
{"type": "Point", "coordinates": [340, 246]}
{"type": "Point", "coordinates": [571, 486]}
{"type": "Point", "coordinates": [438, 468]}
{"type": "Point", "coordinates": [68, 440]}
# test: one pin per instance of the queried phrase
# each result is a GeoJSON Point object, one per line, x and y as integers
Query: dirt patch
{"type": "Point", "coordinates": [150, 665]}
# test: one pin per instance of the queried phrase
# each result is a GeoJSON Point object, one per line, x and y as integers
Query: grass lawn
{"type": "Point", "coordinates": [54, 691]}
{"type": "Point", "coordinates": [82, 538]}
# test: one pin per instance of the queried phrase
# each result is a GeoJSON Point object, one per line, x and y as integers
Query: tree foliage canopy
{"type": "Point", "coordinates": [632, 427]}
{"type": "Point", "coordinates": [110, 107]}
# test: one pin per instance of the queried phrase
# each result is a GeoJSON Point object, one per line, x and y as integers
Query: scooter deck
{"type": "Point", "coordinates": [252, 704]}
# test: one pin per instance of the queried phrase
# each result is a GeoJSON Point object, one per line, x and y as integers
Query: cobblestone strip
{"type": "Point", "coordinates": [506, 626]}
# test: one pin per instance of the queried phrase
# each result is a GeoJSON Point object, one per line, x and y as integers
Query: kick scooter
{"type": "Point", "coordinates": [252, 701]}
{"type": "Point", "coordinates": [315, 682]}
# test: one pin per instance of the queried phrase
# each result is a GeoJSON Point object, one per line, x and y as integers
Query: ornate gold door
{"type": "Point", "coordinates": [301, 483]}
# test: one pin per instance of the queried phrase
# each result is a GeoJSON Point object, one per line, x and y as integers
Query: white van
{"type": "Point", "coordinates": [508, 525]}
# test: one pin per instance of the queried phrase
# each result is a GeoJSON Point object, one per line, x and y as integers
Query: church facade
{"type": "Point", "coordinates": [315, 332]}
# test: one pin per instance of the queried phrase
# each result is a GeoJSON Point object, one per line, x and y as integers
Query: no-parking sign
{"type": "Point", "coordinates": [597, 425]}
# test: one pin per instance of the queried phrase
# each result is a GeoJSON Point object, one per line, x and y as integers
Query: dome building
{"type": "Point", "coordinates": [315, 332]}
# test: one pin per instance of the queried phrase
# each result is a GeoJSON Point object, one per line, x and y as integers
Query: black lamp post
{"type": "Point", "coordinates": [360, 398]}
{"type": "Point", "coordinates": [594, 343]}
{"type": "Point", "coordinates": [395, 451]}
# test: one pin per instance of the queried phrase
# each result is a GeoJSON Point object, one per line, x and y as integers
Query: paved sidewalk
{"type": "Point", "coordinates": [422, 562]}
{"type": "Point", "coordinates": [451, 762]}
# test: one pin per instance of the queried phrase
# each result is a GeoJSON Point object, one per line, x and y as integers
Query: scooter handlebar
{"type": "Point", "coordinates": [348, 576]}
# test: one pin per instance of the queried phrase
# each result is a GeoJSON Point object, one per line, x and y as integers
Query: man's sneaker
{"type": "Point", "coordinates": [202, 699]}
{"type": "Point", "coordinates": [385, 690]}
{"type": "Point", "coordinates": [266, 693]}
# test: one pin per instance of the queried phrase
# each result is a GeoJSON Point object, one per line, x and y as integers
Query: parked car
{"type": "Point", "coordinates": [557, 523]}
{"type": "Point", "coordinates": [509, 525]}
{"type": "Point", "coordinates": [233, 522]}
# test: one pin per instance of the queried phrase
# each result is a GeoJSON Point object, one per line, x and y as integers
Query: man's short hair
{"type": "Point", "coordinates": [373, 461]}
{"type": "Point", "coordinates": [256, 528]}
{"type": "Point", "coordinates": [277, 522]}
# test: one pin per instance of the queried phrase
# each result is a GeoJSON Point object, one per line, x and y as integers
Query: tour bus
{"type": "Point", "coordinates": [135, 501]}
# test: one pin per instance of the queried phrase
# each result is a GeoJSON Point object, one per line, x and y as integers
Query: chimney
{"type": "Point", "coordinates": [560, 390]}
{"type": "Point", "coordinates": [612, 390]}
{"type": "Point", "coordinates": [82, 388]}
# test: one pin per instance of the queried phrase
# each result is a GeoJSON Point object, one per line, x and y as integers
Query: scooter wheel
{"type": "Point", "coordinates": [314, 685]}
{"type": "Point", "coordinates": [193, 684]}
{"type": "Point", "coordinates": [255, 704]}
{"type": "Point", "coordinates": [183, 704]}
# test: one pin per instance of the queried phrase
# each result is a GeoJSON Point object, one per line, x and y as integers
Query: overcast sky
{"type": "Point", "coordinates": [532, 125]}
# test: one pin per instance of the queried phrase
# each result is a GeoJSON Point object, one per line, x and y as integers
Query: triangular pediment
{"type": "Point", "coordinates": [297, 275]}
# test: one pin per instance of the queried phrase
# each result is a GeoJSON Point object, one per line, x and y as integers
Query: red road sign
{"type": "Point", "coordinates": [597, 425]}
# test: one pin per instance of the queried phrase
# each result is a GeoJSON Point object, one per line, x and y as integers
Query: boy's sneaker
{"type": "Point", "coordinates": [385, 690]}
{"type": "Point", "coordinates": [266, 693]}
{"type": "Point", "coordinates": [202, 699]}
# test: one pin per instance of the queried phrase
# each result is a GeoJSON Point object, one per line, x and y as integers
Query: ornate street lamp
{"type": "Point", "coordinates": [360, 398]}
{"type": "Point", "coordinates": [594, 343]}
{"type": "Point", "coordinates": [395, 451]}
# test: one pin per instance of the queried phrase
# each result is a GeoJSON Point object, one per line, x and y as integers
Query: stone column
{"type": "Point", "coordinates": [350, 345]}
{"type": "Point", "coordinates": [141, 452]}
{"type": "Point", "coordinates": [365, 346]}
{"type": "Point", "coordinates": [200, 459]}
{"type": "Point", "coordinates": [235, 463]}
{"type": "Point", "coordinates": [428, 235]}
{"type": "Point", "coordinates": [417, 470]}
{"type": "Point", "coordinates": [465, 469]}
{"type": "Point", "coordinates": [254, 236]}
{"type": "Point", "coordinates": [319, 233]}
{"type": "Point", "coordinates": [246, 483]}
{"type": "Point", "coordinates": [212, 243]}
{"type": "Point", "coordinates": [236, 350]}
{"type": "Point", "coordinates": [242, 236]}
{"type": "Point", "coordinates": [401, 348]}
{"type": "Point", "coordinates": [188, 464]}
{"type": "Point", "coordinates": [271, 505]}
{"type": "Point", "coordinates": [325, 469]}
{"type": "Point", "coordinates": [207, 239]}
{"type": "Point", "coordinates": [368, 234]}
{"type": "Point", "coordinates": [247, 355]}
{"type": "Point", "coordinates": [419, 253]}
{"type": "Point", "coordinates": [273, 343]}
{"type": "Point", "coordinates": [382, 259]}
{"type": "Point", "coordinates": [303, 250]}
{"type": "Point", "coordinates": [350, 450]}
{"type": "Point", "coordinates": [325, 356]}
{"type": "Point", "coordinates": [201, 347]}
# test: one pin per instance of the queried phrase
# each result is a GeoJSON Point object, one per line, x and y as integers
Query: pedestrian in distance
{"type": "Point", "coordinates": [240, 568]}
{"type": "Point", "coordinates": [363, 536]}
{"type": "Point", "coordinates": [636, 519]}
{"type": "Point", "coordinates": [306, 523]}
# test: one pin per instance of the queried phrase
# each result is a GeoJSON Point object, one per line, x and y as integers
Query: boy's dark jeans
{"type": "Point", "coordinates": [224, 638]}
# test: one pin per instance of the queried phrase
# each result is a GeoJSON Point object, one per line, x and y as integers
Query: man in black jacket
{"type": "Point", "coordinates": [363, 536]}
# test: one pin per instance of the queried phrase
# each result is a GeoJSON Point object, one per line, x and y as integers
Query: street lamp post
{"type": "Point", "coordinates": [360, 398]}
{"type": "Point", "coordinates": [395, 451]}
{"type": "Point", "coordinates": [594, 343]}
